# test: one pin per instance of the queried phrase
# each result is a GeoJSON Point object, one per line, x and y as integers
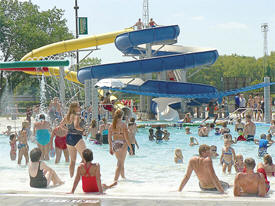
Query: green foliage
{"type": "Point", "coordinates": [89, 62]}
{"type": "Point", "coordinates": [235, 66]}
{"type": "Point", "coordinates": [24, 28]}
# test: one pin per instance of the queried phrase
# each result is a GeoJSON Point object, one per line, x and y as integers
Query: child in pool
{"type": "Point", "coordinates": [224, 128]}
{"type": "Point", "coordinates": [263, 145]}
{"type": "Point", "coordinates": [13, 146]}
{"type": "Point", "coordinates": [8, 132]}
{"type": "Point", "coordinates": [239, 125]}
{"type": "Point", "coordinates": [178, 158]}
{"type": "Point", "coordinates": [23, 145]}
{"type": "Point", "coordinates": [240, 137]}
{"type": "Point", "coordinates": [159, 134]}
{"type": "Point", "coordinates": [213, 151]}
{"type": "Point", "coordinates": [193, 141]}
{"type": "Point", "coordinates": [229, 137]}
{"type": "Point", "coordinates": [151, 134]}
{"type": "Point", "coordinates": [132, 130]}
{"type": "Point", "coordinates": [90, 174]}
{"type": "Point", "coordinates": [228, 156]}
{"type": "Point", "coordinates": [166, 135]}
{"type": "Point", "coordinates": [239, 164]}
{"type": "Point", "coordinates": [187, 130]}
{"type": "Point", "coordinates": [217, 131]}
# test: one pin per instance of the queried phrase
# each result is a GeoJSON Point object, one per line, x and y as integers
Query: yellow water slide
{"type": "Point", "coordinates": [70, 45]}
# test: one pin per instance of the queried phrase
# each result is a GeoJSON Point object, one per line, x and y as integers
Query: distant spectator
{"type": "Point", "coordinates": [152, 23]}
{"type": "Point", "coordinates": [187, 118]}
{"type": "Point", "coordinates": [242, 104]}
{"type": "Point", "coordinates": [151, 134]}
{"type": "Point", "coordinates": [237, 101]}
{"type": "Point", "coordinates": [212, 111]}
{"type": "Point", "coordinates": [139, 24]}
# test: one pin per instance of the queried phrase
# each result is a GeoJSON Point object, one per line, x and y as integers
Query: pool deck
{"type": "Point", "coordinates": [106, 200]}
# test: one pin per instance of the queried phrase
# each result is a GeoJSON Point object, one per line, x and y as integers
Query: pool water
{"type": "Point", "coordinates": [151, 172]}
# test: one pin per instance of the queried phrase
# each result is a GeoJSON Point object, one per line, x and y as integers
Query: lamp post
{"type": "Point", "coordinates": [76, 7]}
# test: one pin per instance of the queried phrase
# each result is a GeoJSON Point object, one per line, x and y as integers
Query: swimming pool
{"type": "Point", "coordinates": [152, 172]}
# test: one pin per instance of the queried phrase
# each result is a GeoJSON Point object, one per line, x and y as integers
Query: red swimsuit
{"type": "Point", "coordinates": [89, 183]}
{"type": "Point", "coordinates": [60, 142]}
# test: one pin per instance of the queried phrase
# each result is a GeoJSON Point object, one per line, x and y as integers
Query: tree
{"type": "Point", "coordinates": [24, 28]}
{"type": "Point", "coordinates": [89, 62]}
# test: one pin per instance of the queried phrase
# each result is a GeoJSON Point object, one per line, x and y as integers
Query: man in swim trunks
{"type": "Point", "coordinates": [139, 24]}
{"type": "Point", "coordinates": [203, 167]}
{"type": "Point", "coordinates": [249, 129]}
{"type": "Point", "coordinates": [249, 182]}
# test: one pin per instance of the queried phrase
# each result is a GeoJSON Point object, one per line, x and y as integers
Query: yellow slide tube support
{"type": "Point", "coordinates": [70, 45]}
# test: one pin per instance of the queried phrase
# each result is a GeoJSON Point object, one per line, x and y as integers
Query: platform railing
{"type": "Point", "coordinates": [244, 110]}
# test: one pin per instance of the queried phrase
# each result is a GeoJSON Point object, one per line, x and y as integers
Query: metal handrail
{"type": "Point", "coordinates": [245, 109]}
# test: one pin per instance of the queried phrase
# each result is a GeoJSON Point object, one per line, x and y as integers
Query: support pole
{"type": "Point", "coordinates": [88, 91]}
{"type": "Point", "coordinates": [183, 103]}
{"type": "Point", "coordinates": [87, 87]}
{"type": "Point", "coordinates": [94, 99]}
{"type": "Point", "coordinates": [148, 76]}
{"type": "Point", "coordinates": [267, 101]}
{"type": "Point", "coordinates": [76, 7]}
{"type": "Point", "coordinates": [62, 88]}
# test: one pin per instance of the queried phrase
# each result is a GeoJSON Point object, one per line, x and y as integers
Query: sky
{"type": "Point", "coordinates": [230, 26]}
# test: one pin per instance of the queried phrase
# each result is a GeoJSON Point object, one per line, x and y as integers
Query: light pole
{"type": "Point", "coordinates": [76, 7]}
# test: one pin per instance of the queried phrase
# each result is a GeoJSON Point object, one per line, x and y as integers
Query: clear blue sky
{"type": "Point", "coordinates": [231, 26]}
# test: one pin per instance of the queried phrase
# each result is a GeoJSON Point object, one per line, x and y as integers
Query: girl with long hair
{"type": "Point", "coordinates": [75, 128]}
{"type": "Point", "coordinates": [119, 142]}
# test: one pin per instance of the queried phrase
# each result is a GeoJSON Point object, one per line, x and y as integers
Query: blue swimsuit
{"type": "Point", "coordinates": [43, 136]}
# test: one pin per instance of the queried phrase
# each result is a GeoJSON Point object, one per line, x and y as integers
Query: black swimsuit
{"type": "Point", "coordinates": [73, 135]}
{"type": "Point", "coordinates": [39, 181]}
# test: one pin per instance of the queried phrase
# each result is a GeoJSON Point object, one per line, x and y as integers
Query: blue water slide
{"type": "Point", "coordinates": [127, 43]}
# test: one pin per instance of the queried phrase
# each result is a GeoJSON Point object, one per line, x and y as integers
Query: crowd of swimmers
{"type": "Point", "coordinates": [246, 180]}
{"type": "Point", "coordinates": [67, 132]}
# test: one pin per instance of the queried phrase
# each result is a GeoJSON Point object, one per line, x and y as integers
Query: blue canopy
{"type": "Point", "coordinates": [183, 90]}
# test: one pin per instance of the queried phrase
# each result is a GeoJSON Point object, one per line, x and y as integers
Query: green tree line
{"type": "Point", "coordinates": [23, 27]}
{"type": "Point", "coordinates": [235, 66]}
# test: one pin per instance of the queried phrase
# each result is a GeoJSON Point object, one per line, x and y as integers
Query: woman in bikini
{"type": "Point", "coordinates": [90, 174]}
{"type": "Point", "coordinates": [74, 140]}
{"type": "Point", "coordinates": [93, 130]}
{"type": "Point", "coordinates": [119, 142]}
